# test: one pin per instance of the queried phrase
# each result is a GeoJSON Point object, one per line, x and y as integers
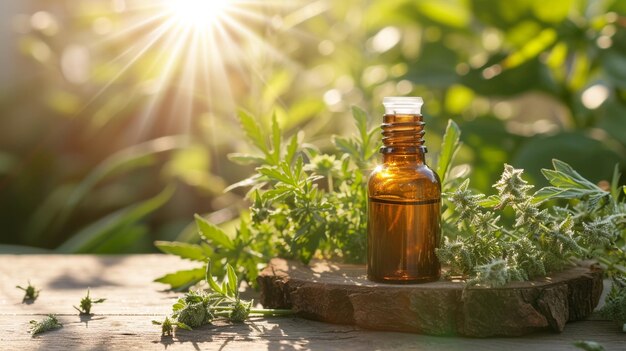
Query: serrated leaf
{"type": "Point", "coordinates": [184, 250]}
{"type": "Point", "coordinates": [209, 278]}
{"type": "Point", "coordinates": [449, 147]}
{"type": "Point", "coordinates": [182, 278]}
{"type": "Point", "coordinates": [253, 130]}
{"type": "Point", "coordinates": [233, 283]}
{"type": "Point", "coordinates": [275, 175]}
{"type": "Point", "coordinates": [212, 233]}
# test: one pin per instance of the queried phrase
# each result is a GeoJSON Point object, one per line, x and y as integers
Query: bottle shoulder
{"type": "Point", "coordinates": [414, 173]}
{"type": "Point", "coordinates": [419, 182]}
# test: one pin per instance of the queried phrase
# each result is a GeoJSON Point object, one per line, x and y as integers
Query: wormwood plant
{"type": "Point", "coordinates": [50, 322]}
{"type": "Point", "coordinates": [198, 308]}
{"type": "Point", "coordinates": [307, 203]}
{"type": "Point", "coordinates": [86, 303]}
{"type": "Point", "coordinates": [303, 202]}
{"type": "Point", "coordinates": [30, 293]}
{"type": "Point", "coordinates": [484, 249]}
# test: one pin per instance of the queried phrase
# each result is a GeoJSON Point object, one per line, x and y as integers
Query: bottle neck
{"type": "Point", "coordinates": [403, 141]}
{"type": "Point", "coordinates": [403, 160]}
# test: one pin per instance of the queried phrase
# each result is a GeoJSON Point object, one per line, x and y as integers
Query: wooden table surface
{"type": "Point", "coordinates": [123, 322]}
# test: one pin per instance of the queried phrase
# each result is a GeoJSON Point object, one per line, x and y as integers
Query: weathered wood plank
{"type": "Point", "coordinates": [124, 321]}
{"type": "Point", "coordinates": [136, 332]}
{"type": "Point", "coordinates": [125, 281]}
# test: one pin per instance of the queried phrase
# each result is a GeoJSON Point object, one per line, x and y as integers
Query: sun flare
{"type": "Point", "coordinates": [201, 53]}
{"type": "Point", "coordinates": [197, 13]}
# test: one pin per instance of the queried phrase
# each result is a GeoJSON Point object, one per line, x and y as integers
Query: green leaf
{"type": "Point", "coordinates": [184, 250]}
{"type": "Point", "coordinates": [98, 232]}
{"type": "Point", "coordinates": [580, 152]}
{"type": "Point", "coordinates": [209, 278]}
{"type": "Point", "coordinates": [253, 131]}
{"type": "Point", "coordinates": [246, 159]}
{"type": "Point", "coordinates": [212, 233]}
{"type": "Point", "coordinates": [292, 148]}
{"type": "Point", "coordinates": [233, 283]}
{"type": "Point", "coordinates": [561, 180]}
{"type": "Point", "coordinates": [360, 117]}
{"type": "Point", "coordinates": [449, 147]}
{"type": "Point", "coordinates": [276, 139]}
{"type": "Point", "coordinates": [183, 326]}
{"type": "Point", "coordinates": [615, 182]}
{"type": "Point", "coordinates": [572, 176]}
{"type": "Point", "coordinates": [244, 183]}
{"type": "Point", "coordinates": [346, 145]}
{"type": "Point", "coordinates": [179, 305]}
{"type": "Point", "coordinates": [547, 193]}
{"type": "Point", "coordinates": [275, 175]}
{"type": "Point", "coordinates": [48, 218]}
{"type": "Point", "coordinates": [127, 239]}
{"type": "Point", "coordinates": [182, 279]}
{"type": "Point", "coordinates": [490, 201]}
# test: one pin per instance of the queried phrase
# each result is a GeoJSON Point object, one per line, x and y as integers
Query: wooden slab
{"type": "Point", "coordinates": [341, 294]}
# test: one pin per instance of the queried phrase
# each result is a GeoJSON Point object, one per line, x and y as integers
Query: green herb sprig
{"type": "Point", "coordinates": [168, 326]}
{"type": "Point", "coordinates": [30, 292]}
{"type": "Point", "coordinates": [481, 247]}
{"type": "Point", "coordinates": [198, 308]}
{"type": "Point", "coordinates": [304, 202]}
{"type": "Point", "coordinates": [50, 322]}
{"type": "Point", "coordinates": [86, 303]}
{"type": "Point", "coordinates": [615, 304]}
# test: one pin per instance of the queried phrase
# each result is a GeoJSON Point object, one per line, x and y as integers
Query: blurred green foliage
{"type": "Point", "coordinates": [85, 153]}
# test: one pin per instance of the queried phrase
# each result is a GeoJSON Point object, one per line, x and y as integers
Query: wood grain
{"type": "Point", "coordinates": [123, 322]}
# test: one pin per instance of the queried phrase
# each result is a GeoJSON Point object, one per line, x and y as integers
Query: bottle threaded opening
{"type": "Point", "coordinates": [403, 126]}
{"type": "Point", "coordinates": [403, 105]}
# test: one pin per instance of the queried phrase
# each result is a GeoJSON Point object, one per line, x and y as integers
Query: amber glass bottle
{"type": "Point", "coordinates": [404, 202]}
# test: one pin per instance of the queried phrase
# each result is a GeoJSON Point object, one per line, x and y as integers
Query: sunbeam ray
{"type": "Point", "coordinates": [202, 51]}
